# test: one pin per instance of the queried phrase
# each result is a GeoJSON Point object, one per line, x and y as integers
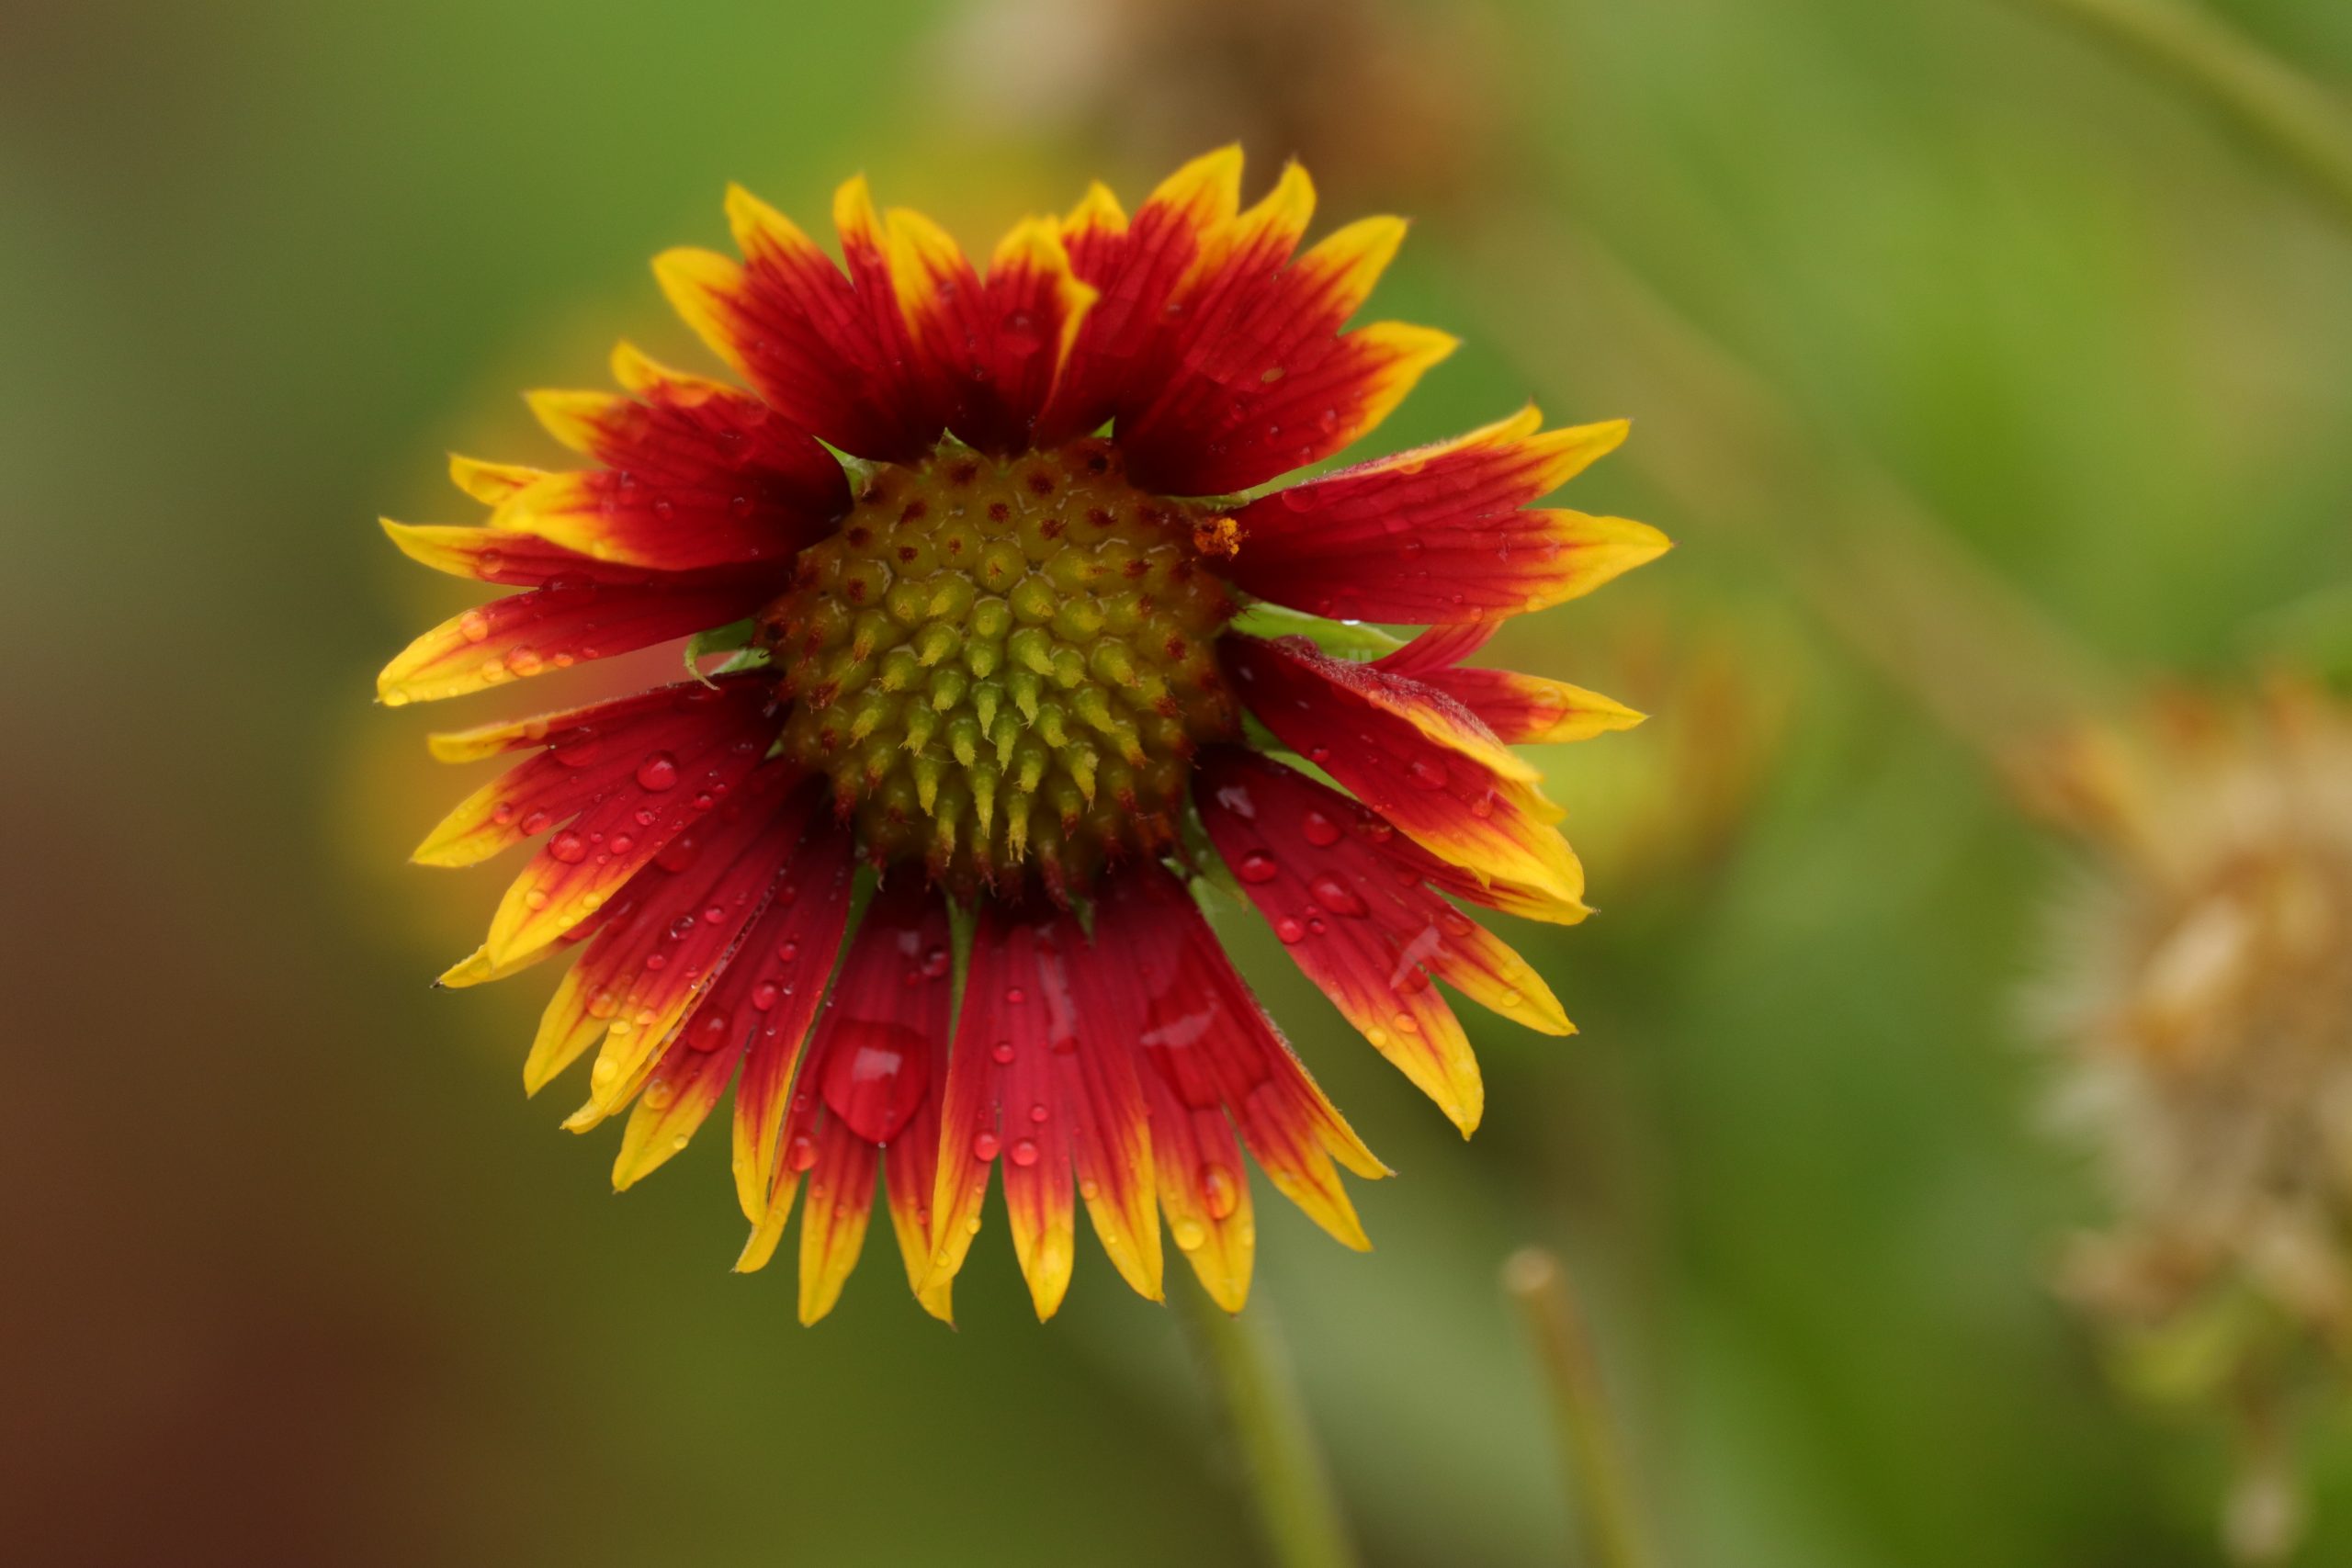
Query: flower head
{"type": "Point", "coordinates": [979, 547]}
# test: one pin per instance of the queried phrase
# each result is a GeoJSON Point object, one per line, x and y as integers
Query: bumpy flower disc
{"type": "Point", "coordinates": [1009, 624]}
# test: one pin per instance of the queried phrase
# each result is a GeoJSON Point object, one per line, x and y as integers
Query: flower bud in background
{"type": "Point", "coordinates": [2202, 1010]}
{"type": "Point", "coordinates": [1385, 102]}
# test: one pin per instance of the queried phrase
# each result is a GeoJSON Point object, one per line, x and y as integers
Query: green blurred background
{"type": "Point", "coordinates": [294, 1274]}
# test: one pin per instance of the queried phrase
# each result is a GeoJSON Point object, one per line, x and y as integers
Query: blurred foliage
{"type": "Point", "coordinates": [309, 1281]}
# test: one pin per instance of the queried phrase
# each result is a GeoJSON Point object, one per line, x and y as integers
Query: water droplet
{"type": "Point", "coordinates": [802, 1153]}
{"type": "Point", "coordinates": [658, 772]}
{"type": "Point", "coordinates": [658, 1094]}
{"type": "Point", "coordinates": [1337, 896]}
{"type": "Point", "coordinates": [1040, 1113]}
{"type": "Point", "coordinates": [1016, 995]}
{"type": "Point", "coordinates": [1427, 773]}
{"type": "Point", "coordinates": [1258, 866]}
{"type": "Point", "coordinates": [1289, 930]}
{"type": "Point", "coordinates": [1220, 1194]}
{"type": "Point", "coordinates": [763, 995]}
{"type": "Point", "coordinates": [1190, 1234]}
{"type": "Point", "coordinates": [568, 846]}
{"type": "Point", "coordinates": [710, 1032]}
{"type": "Point", "coordinates": [474, 625]}
{"type": "Point", "coordinates": [1025, 1151]}
{"type": "Point", "coordinates": [1319, 830]}
{"type": "Point", "coordinates": [985, 1147]}
{"type": "Point", "coordinates": [1001, 1052]}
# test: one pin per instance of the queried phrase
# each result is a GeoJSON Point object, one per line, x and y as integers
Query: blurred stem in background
{"type": "Point", "coordinates": [2295, 118]}
{"type": "Point", "coordinates": [1249, 1373]}
{"type": "Point", "coordinates": [1592, 1458]}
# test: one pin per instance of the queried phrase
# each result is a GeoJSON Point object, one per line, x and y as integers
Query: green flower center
{"type": "Point", "coordinates": [1003, 665]}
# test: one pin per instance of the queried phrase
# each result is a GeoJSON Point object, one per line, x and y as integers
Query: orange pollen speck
{"type": "Point", "coordinates": [1218, 536]}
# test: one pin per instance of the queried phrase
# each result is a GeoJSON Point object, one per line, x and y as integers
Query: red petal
{"type": "Point", "coordinates": [1440, 648]}
{"type": "Point", "coordinates": [1218, 355]}
{"type": "Point", "coordinates": [1436, 535]}
{"type": "Point", "coordinates": [1004, 1098]}
{"type": "Point", "coordinates": [697, 474]}
{"type": "Point", "coordinates": [828, 354]}
{"type": "Point", "coordinates": [683, 913]}
{"type": "Point", "coordinates": [1161, 977]}
{"type": "Point", "coordinates": [874, 1063]}
{"type": "Point", "coordinates": [1330, 392]}
{"type": "Point", "coordinates": [589, 754]}
{"type": "Point", "coordinates": [1252, 340]}
{"type": "Point", "coordinates": [1521, 709]}
{"type": "Point", "coordinates": [1529, 709]}
{"type": "Point", "coordinates": [1414, 756]}
{"type": "Point", "coordinates": [585, 864]}
{"type": "Point", "coordinates": [1360, 921]}
{"type": "Point", "coordinates": [523, 560]}
{"type": "Point", "coordinates": [993, 348]}
{"type": "Point", "coordinates": [771, 989]}
{"type": "Point", "coordinates": [833, 1219]}
{"type": "Point", "coordinates": [1136, 270]}
{"type": "Point", "coordinates": [555, 627]}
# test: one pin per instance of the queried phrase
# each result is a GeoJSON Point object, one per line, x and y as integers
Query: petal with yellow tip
{"type": "Point", "coordinates": [1447, 798]}
{"type": "Point", "coordinates": [555, 627]}
{"type": "Point", "coordinates": [1436, 535]}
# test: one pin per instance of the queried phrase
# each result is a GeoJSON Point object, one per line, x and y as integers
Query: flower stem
{"type": "Point", "coordinates": [1258, 1397]}
{"type": "Point", "coordinates": [1590, 1453]}
{"type": "Point", "coordinates": [2296, 118]}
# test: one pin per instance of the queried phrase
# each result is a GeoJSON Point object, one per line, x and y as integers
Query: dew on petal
{"type": "Point", "coordinates": [1220, 1194]}
{"type": "Point", "coordinates": [1337, 896]}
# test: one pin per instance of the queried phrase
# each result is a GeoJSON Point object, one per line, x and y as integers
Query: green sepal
{"type": "Point", "coordinates": [1341, 639]}
{"type": "Point", "coordinates": [734, 638]}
